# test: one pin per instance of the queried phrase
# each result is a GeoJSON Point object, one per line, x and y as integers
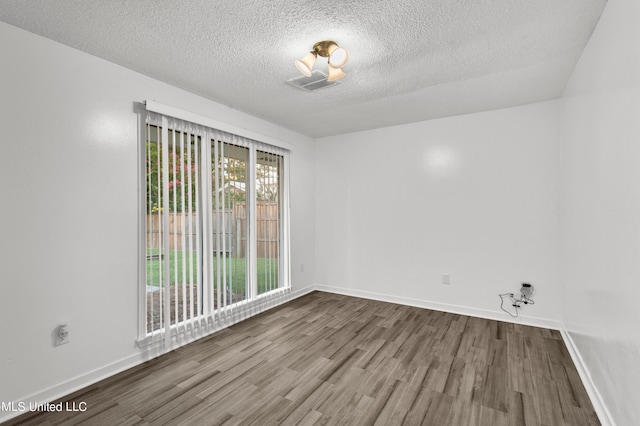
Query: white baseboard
{"type": "Point", "coordinates": [294, 294]}
{"type": "Point", "coordinates": [81, 381]}
{"type": "Point", "coordinates": [596, 399]}
{"type": "Point", "coordinates": [444, 307]}
{"type": "Point", "coordinates": [70, 386]}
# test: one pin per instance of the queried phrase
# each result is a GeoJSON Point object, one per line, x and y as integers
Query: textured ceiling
{"type": "Point", "coordinates": [411, 60]}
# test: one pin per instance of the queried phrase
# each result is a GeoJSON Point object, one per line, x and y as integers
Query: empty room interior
{"type": "Point", "coordinates": [292, 212]}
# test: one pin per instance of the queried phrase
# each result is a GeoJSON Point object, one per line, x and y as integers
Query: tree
{"type": "Point", "coordinates": [181, 167]}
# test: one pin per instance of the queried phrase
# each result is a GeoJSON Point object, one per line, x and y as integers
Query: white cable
{"type": "Point", "coordinates": [514, 304]}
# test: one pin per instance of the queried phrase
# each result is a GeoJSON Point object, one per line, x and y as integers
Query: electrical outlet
{"type": "Point", "coordinates": [302, 267]}
{"type": "Point", "coordinates": [62, 334]}
{"type": "Point", "coordinates": [526, 290]}
{"type": "Point", "coordinates": [446, 279]}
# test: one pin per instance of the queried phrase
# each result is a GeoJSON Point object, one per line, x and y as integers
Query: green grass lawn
{"type": "Point", "coordinates": [235, 269]}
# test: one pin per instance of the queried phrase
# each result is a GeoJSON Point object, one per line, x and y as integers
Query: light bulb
{"type": "Point", "coordinates": [335, 74]}
{"type": "Point", "coordinates": [305, 64]}
{"type": "Point", "coordinates": [339, 57]}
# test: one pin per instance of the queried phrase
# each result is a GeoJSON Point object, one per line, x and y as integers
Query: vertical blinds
{"type": "Point", "coordinates": [216, 224]}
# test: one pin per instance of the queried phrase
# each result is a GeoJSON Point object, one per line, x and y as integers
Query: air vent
{"type": "Point", "coordinates": [318, 80]}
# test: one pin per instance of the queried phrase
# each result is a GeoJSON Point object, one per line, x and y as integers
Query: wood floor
{"type": "Point", "coordinates": [332, 359]}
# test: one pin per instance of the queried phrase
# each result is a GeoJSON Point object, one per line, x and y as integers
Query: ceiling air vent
{"type": "Point", "coordinates": [318, 80]}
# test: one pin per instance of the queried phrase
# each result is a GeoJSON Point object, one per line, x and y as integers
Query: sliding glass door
{"type": "Point", "coordinates": [215, 222]}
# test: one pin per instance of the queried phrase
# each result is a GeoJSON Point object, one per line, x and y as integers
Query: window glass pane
{"type": "Point", "coordinates": [182, 232]}
{"type": "Point", "coordinates": [230, 223]}
{"type": "Point", "coordinates": [268, 200]}
{"type": "Point", "coordinates": [154, 269]}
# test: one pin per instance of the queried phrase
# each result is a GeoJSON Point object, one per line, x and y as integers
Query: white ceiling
{"type": "Point", "coordinates": [411, 60]}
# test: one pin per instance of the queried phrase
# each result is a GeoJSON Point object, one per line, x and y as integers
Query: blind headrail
{"type": "Point", "coordinates": [181, 114]}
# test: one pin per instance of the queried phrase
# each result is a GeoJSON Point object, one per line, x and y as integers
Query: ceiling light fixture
{"type": "Point", "coordinates": [337, 57]}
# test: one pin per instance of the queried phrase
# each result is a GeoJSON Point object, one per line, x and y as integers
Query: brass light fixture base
{"type": "Point", "coordinates": [325, 48]}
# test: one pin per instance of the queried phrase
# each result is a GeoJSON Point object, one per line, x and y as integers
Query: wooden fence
{"type": "Point", "coordinates": [233, 237]}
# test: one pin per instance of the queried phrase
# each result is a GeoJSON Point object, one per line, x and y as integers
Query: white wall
{"type": "Point", "coordinates": [473, 196]}
{"type": "Point", "coordinates": [68, 217]}
{"type": "Point", "coordinates": [601, 209]}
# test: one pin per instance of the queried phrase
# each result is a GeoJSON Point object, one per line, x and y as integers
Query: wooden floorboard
{"type": "Point", "coordinates": [329, 359]}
